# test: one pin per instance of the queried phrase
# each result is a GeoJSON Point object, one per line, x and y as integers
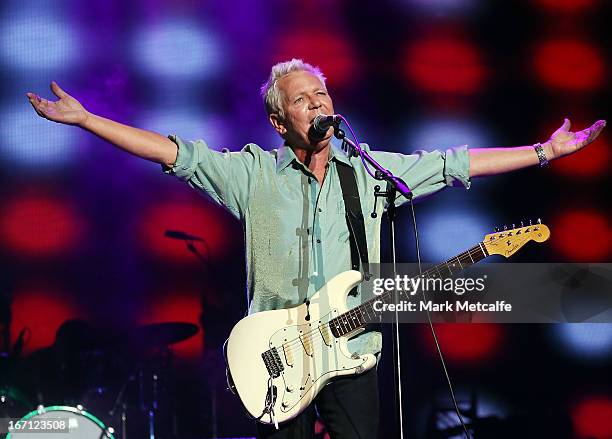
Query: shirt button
{"type": "Point", "coordinates": [318, 241]}
{"type": "Point", "coordinates": [320, 210]}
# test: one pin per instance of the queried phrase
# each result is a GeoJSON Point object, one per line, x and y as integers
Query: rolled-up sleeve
{"type": "Point", "coordinates": [428, 172]}
{"type": "Point", "coordinates": [226, 177]}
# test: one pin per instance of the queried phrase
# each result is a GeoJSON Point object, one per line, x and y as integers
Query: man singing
{"type": "Point", "coordinates": [290, 203]}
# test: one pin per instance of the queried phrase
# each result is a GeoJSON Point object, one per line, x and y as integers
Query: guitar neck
{"type": "Point", "coordinates": [363, 314]}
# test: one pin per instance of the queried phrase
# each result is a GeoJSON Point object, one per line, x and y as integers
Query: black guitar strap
{"type": "Point", "coordinates": [354, 218]}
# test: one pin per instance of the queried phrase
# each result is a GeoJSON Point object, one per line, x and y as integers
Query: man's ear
{"type": "Point", "coordinates": [277, 123]}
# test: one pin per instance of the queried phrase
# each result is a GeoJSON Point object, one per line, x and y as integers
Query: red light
{"type": "Point", "coordinates": [331, 52]}
{"type": "Point", "coordinates": [178, 307]}
{"type": "Point", "coordinates": [42, 311]}
{"type": "Point", "coordinates": [569, 64]}
{"type": "Point", "coordinates": [205, 222]}
{"type": "Point", "coordinates": [582, 235]}
{"type": "Point", "coordinates": [592, 418]}
{"type": "Point", "coordinates": [466, 342]}
{"type": "Point", "coordinates": [39, 226]}
{"type": "Point", "coordinates": [566, 6]}
{"type": "Point", "coordinates": [444, 65]}
{"type": "Point", "coordinates": [592, 161]}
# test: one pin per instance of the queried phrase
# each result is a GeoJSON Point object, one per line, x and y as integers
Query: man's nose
{"type": "Point", "coordinates": [315, 103]}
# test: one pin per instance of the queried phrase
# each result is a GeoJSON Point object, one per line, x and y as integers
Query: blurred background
{"type": "Point", "coordinates": [90, 286]}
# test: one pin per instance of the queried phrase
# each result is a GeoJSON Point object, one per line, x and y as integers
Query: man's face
{"type": "Point", "coordinates": [304, 98]}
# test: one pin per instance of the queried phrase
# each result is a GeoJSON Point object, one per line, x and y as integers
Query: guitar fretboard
{"type": "Point", "coordinates": [363, 314]}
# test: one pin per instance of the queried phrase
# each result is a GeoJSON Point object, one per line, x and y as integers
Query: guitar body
{"type": "Point", "coordinates": [302, 353]}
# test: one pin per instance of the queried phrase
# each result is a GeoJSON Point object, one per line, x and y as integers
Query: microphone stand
{"type": "Point", "coordinates": [394, 185]}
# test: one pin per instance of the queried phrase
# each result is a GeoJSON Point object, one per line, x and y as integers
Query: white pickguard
{"type": "Point", "coordinates": [310, 357]}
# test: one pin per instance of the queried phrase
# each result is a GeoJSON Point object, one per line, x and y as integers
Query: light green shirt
{"type": "Point", "coordinates": [296, 234]}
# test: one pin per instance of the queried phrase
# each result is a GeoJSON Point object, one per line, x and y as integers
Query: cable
{"type": "Point", "coordinates": [431, 326]}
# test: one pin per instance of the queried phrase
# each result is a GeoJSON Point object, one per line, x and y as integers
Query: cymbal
{"type": "Point", "coordinates": [161, 334]}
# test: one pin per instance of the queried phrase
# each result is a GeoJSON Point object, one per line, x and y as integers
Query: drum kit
{"type": "Point", "coordinates": [125, 379]}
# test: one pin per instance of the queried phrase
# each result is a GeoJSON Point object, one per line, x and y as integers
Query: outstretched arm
{"type": "Point", "coordinates": [492, 161]}
{"type": "Point", "coordinates": [67, 110]}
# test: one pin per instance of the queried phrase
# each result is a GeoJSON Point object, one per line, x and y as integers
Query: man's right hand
{"type": "Point", "coordinates": [66, 110]}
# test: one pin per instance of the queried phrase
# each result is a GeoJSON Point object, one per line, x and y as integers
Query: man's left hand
{"type": "Point", "coordinates": [564, 142]}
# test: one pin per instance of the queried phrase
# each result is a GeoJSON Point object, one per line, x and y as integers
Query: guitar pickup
{"type": "Point", "coordinates": [288, 354]}
{"type": "Point", "coordinates": [307, 344]}
{"type": "Point", "coordinates": [324, 330]}
{"type": "Point", "coordinates": [273, 362]}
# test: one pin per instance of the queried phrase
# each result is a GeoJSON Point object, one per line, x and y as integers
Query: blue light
{"type": "Point", "coordinates": [450, 228]}
{"type": "Point", "coordinates": [178, 50]}
{"type": "Point", "coordinates": [442, 8]}
{"type": "Point", "coordinates": [30, 142]}
{"type": "Point", "coordinates": [446, 132]}
{"type": "Point", "coordinates": [590, 340]}
{"type": "Point", "coordinates": [188, 124]}
{"type": "Point", "coordinates": [39, 41]}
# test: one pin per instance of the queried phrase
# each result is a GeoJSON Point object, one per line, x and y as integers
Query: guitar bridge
{"type": "Point", "coordinates": [273, 362]}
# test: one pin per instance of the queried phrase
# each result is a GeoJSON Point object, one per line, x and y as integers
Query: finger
{"type": "Point", "coordinates": [566, 125]}
{"type": "Point", "coordinates": [38, 111]}
{"type": "Point", "coordinates": [595, 129]}
{"type": "Point", "coordinates": [57, 90]}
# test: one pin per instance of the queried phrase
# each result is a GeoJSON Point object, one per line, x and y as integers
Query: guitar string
{"type": "Point", "coordinates": [297, 342]}
{"type": "Point", "coordinates": [352, 313]}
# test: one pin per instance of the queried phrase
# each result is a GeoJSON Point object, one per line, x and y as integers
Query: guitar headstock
{"type": "Point", "coordinates": [508, 242]}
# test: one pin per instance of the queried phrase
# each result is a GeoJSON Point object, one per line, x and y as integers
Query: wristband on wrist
{"type": "Point", "coordinates": [541, 155]}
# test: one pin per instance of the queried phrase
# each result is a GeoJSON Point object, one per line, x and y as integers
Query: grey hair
{"type": "Point", "coordinates": [270, 92]}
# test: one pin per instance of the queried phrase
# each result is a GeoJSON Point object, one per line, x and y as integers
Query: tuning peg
{"type": "Point", "coordinates": [496, 229]}
{"type": "Point", "coordinates": [539, 220]}
{"type": "Point", "coordinates": [522, 224]}
{"type": "Point", "coordinates": [530, 222]}
{"type": "Point", "coordinates": [505, 227]}
{"type": "Point", "coordinates": [513, 226]}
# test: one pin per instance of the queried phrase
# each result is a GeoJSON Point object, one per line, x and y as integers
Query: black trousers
{"type": "Point", "coordinates": [348, 406]}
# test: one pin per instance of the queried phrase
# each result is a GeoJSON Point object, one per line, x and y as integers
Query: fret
{"type": "Point", "coordinates": [484, 254]}
{"type": "Point", "coordinates": [448, 268]}
{"type": "Point", "coordinates": [365, 313]}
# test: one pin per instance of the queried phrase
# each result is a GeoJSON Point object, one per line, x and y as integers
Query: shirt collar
{"type": "Point", "coordinates": [285, 156]}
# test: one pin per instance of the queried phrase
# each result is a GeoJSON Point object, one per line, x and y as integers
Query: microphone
{"type": "Point", "coordinates": [322, 123]}
{"type": "Point", "coordinates": [175, 234]}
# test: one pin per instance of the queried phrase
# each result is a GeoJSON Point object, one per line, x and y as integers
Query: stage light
{"type": "Point", "coordinates": [442, 8]}
{"type": "Point", "coordinates": [582, 235]}
{"type": "Point", "coordinates": [42, 310]}
{"type": "Point", "coordinates": [444, 65]}
{"type": "Point", "coordinates": [584, 341]}
{"type": "Point", "coordinates": [30, 143]}
{"type": "Point", "coordinates": [566, 6]}
{"type": "Point", "coordinates": [202, 220]}
{"type": "Point", "coordinates": [592, 418]}
{"type": "Point", "coordinates": [442, 133]}
{"type": "Point", "coordinates": [449, 229]}
{"type": "Point", "coordinates": [178, 306]}
{"type": "Point", "coordinates": [37, 40]}
{"type": "Point", "coordinates": [39, 226]}
{"type": "Point", "coordinates": [188, 124]}
{"type": "Point", "coordinates": [592, 161]}
{"type": "Point", "coordinates": [178, 50]}
{"type": "Point", "coordinates": [465, 342]}
{"type": "Point", "coordinates": [568, 64]}
{"type": "Point", "coordinates": [332, 52]}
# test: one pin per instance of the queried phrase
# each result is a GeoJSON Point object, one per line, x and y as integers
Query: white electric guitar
{"type": "Point", "coordinates": [279, 360]}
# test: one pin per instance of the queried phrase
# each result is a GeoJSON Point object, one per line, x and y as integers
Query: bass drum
{"type": "Point", "coordinates": [81, 424]}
